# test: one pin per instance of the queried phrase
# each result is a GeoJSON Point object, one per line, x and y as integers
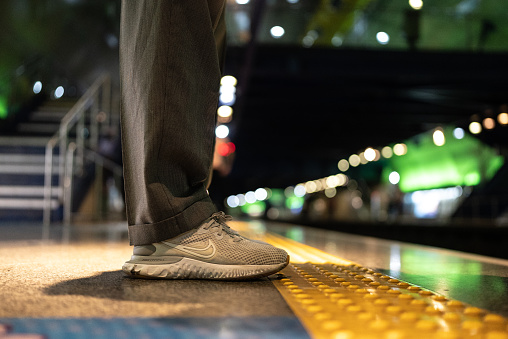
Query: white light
{"type": "Point", "coordinates": [382, 37]}
{"type": "Point", "coordinates": [307, 41]}
{"type": "Point", "coordinates": [310, 187]}
{"type": "Point", "coordinates": [369, 154]}
{"type": "Point", "coordinates": [475, 127]}
{"type": "Point", "coordinates": [228, 81]}
{"type": "Point", "coordinates": [59, 92]}
{"type": "Point", "coordinates": [233, 201]}
{"type": "Point", "coordinates": [416, 4]}
{"type": "Point", "coordinates": [332, 181]}
{"type": "Point", "coordinates": [337, 41]}
{"type": "Point", "coordinates": [394, 178]}
{"type": "Point", "coordinates": [400, 149]}
{"type": "Point", "coordinates": [354, 160]}
{"type": "Point", "coordinates": [277, 32]}
{"type": "Point", "coordinates": [241, 199]}
{"type": "Point", "coordinates": [438, 137]}
{"type": "Point", "coordinates": [261, 194]}
{"type": "Point", "coordinates": [330, 192]}
{"type": "Point", "coordinates": [458, 133]}
{"type": "Point", "coordinates": [250, 197]}
{"type": "Point", "coordinates": [224, 111]}
{"type": "Point", "coordinates": [342, 179]}
{"type": "Point", "coordinates": [293, 1]}
{"type": "Point", "coordinates": [343, 165]}
{"type": "Point", "coordinates": [300, 190]}
{"type": "Point", "coordinates": [363, 160]}
{"type": "Point", "coordinates": [37, 87]}
{"type": "Point", "coordinates": [242, 2]}
{"type": "Point", "coordinates": [227, 98]}
{"type": "Point", "coordinates": [387, 152]}
{"type": "Point", "coordinates": [222, 131]}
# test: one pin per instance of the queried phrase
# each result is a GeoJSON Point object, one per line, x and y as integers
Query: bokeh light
{"type": "Point", "coordinates": [502, 118]}
{"type": "Point", "coordinates": [489, 123]}
{"type": "Point", "coordinates": [400, 149]}
{"type": "Point", "coordinates": [354, 160]}
{"type": "Point", "coordinates": [438, 137]}
{"type": "Point", "coordinates": [343, 165]}
{"type": "Point", "coordinates": [387, 152]}
{"type": "Point", "coordinates": [475, 127]}
{"type": "Point", "coordinates": [394, 178]}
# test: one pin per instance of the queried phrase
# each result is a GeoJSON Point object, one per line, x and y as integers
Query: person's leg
{"type": "Point", "coordinates": [170, 74]}
{"type": "Point", "coordinates": [171, 57]}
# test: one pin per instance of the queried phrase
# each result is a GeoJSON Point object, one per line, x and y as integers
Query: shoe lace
{"type": "Point", "coordinates": [219, 219]}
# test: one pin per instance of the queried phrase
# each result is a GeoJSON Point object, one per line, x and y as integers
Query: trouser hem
{"type": "Point", "coordinates": [190, 218]}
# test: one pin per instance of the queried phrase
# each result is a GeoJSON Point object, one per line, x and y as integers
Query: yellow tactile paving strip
{"type": "Point", "coordinates": [337, 299]}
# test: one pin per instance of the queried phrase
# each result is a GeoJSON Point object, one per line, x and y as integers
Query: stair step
{"type": "Point", "coordinates": [24, 141]}
{"type": "Point", "coordinates": [27, 191]}
{"type": "Point", "coordinates": [29, 204]}
{"type": "Point", "coordinates": [49, 116]}
{"type": "Point", "coordinates": [21, 169]}
{"type": "Point", "coordinates": [39, 128]}
{"type": "Point", "coordinates": [36, 159]}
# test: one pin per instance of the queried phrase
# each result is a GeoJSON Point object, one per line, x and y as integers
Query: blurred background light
{"type": "Point", "coordinates": [458, 133]}
{"type": "Point", "coordinates": [228, 81]}
{"type": "Point", "coordinates": [277, 32]}
{"type": "Point", "coordinates": [400, 149]}
{"type": "Point", "coordinates": [233, 201]}
{"type": "Point", "coordinates": [489, 123]}
{"type": "Point", "coordinates": [502, 118]}
{"type": "Point", "coordinates": [261, 194]}
{"type": "Point", "coordinates": [250, 197]}
{"type": "Point", "coordinates": [59, 92]}
{"type": "Point", "coordinates": [416, 4]}
{"type": "Point", "coordinates": [438, 137]}
{"type": "Point", "coordinates": [330, 192]}
{"type": "Point", "coordinates": [222, 131]}
{"type": "Point", "coordinates": [37, 88]}
{"type": "Point", "coordinates": [394, 178]}
{"type": "Point", "coordinates": [475, 127]}
{"type": "Point", "coordinates": [343, 165]}
{"type": "Point", "coordinates": [300, 190]}
{"type": "Point", "coordinates": [363, 160]}
{"type": "Point", "coordinates": [310, 187]}
{"type": "Point", "coordinates": [224, 111]}
{"type": "Point", "coordinates": [354, 160]}
{"type": "Point", "coordinates": [387, 152]}
{"type": "Point", "coordinates": [370, 154]}
{"type": "Point", "coordinates": [382, 37]}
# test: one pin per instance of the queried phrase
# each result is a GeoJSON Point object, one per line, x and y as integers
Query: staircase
{"type": "Point", "coordinates": [48, 155]}
{"type": "Point", "coordinates": [22, 162]}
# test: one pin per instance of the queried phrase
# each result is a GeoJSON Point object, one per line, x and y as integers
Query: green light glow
{"type": "Point", "coordinates": [277, 198]}
{"type": "Point", "coordinates": [464, 162]}
{"type": "Point", "coordinates": [294, 202]}
{"type": "Point", "coordinates": [255, 209]}
{"type": "Point", "coordinates": [3, 107]}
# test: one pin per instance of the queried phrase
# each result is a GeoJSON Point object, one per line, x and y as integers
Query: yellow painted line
{"type": "Point", "coordinates": [301, 253]}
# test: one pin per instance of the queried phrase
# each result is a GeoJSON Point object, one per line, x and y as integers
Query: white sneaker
{"type": "Point", "coordinates": [212, 251]}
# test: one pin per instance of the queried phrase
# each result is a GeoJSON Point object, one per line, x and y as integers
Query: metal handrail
{"type": "Point", "coordinates": [70, 151]}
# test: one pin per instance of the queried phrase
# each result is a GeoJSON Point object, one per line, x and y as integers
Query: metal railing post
{"type": "Point", "coordinates": [67, 190]}
{"type": "Point", "coordinates": [48, 188]}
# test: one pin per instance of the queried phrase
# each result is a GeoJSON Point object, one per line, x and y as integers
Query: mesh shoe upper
{"type": "Point", "coordinates": [230, 248]}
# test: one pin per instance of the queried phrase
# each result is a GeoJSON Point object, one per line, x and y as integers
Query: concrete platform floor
{"type": "Point", "coordinates": [45, 285]}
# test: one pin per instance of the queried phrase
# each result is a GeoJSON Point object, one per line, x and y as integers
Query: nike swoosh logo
{"type": "Point", "coordinates": [205, 253]}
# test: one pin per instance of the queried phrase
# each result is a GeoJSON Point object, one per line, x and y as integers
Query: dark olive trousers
{"type": "Point", "coordinates": [171, 55]}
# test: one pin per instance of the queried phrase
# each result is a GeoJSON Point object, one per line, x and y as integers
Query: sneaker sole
{"type": "Point", "coordinates": [194, 269]}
